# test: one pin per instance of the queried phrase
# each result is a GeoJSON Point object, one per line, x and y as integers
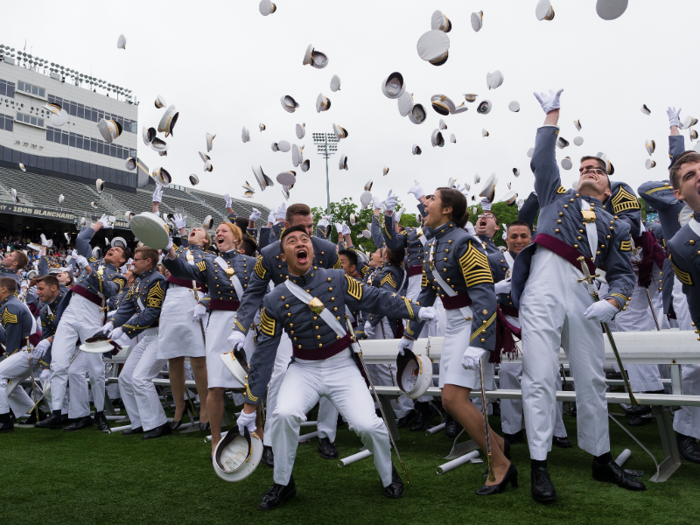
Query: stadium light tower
{"type": "Point", "coordinates": [327, 145]}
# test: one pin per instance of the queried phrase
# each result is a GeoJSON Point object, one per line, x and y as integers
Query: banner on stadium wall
{"type": "Point", "coordinates": [63, 216]}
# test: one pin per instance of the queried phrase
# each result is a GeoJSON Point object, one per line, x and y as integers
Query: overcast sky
{"type": "Point", "coordinates": [225, 66]}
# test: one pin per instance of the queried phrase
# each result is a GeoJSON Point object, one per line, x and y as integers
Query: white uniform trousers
{"type": "Point", "coordinates": [82, 319]}
{"type": "Point", "coordinates": [13, 370]}
{"type": "Point", "coordinates": [135, 382]}
{"type": "Point", "coordinates": [385, 374]}
{"type": "Point", "coordinates": [551, 316]}
{"type": "Point", "coordinates": [327, 419]}
{"type": "Point", "coordinates": [339, 380]}
{"type": "Point", "coordinates": [687, 420]}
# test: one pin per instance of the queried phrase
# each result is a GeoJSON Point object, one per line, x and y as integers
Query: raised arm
{"type": "Point", "coordinates": [544, 161]}
{"type": "Point", "coordinates": [253, 296]}
{"type": "Point", "coordinates": [263, 360]}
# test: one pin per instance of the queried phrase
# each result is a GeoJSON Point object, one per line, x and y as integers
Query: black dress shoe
{"type": "Point", "coordinates": [496, 407]}
{"type": "Point", "coordinates": [268, 458]}
{"type": "Point", "coordinates": [6, 423]}
{"type": "Point", "coordinates": [132, 431]}
{"type": "Point", "coordinates": [542, 486]}
{"type": "Point", "coordinates": [175, 424]}
{"type": "Point", "coordinates": [79, 424]}
{"type": "Point", "coordinates": [425, 413]}
{"type": "Point", "coordinates": [278, 494]}
{"type": "Point", "coordinates": [514, 439]}
{"type": "Point", "coordinates": [637, 410]}
{"type": "Point", "coordinates": [688, 447]}
{"type": "Point", "coordinates": [327, 449]}
{"type": "Point", "coordinates": [163, 430]}
{"type": "Point", "coordinates": [65, 419]}
{"type": "Point", "coordinates": [561, 442]}
{"type": "Point", "coordinates": [510, 477]}
{"type": "Point", "coordinates": [613, 473]}
{"type": "Point", "coordinates": [639, 421]}
{"type": "Point", "coordinates": [203, 427]}
{"type": "Point", "coordinates": [101, 422]}
{"type": "Point", "coordinates": [54, 422]}
{"type": "Point", "coordinates": [394, 490]}
{"type": "Point", "coordinates": [406, 420]}
{"type": "Point", "coordinates": [452, 428]}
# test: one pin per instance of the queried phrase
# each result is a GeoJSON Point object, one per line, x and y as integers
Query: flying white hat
{"type": "Point", "coordinates": [649, 164]}
{"type": "Point", "coordinates": [484, 133]}
{"type": "Point", "coordinates": [484, 107]}
{"type": "Point", "coordinates": [494, 80]}
{"type": "Point", "coordinates": [436, 139]}
{"type": "Point", "coordinates": [488, 191]}
{"type": "Point", "coordinates": [335, 83]}
{"type": "Point", "coordinates": [440, 22]}
{"type": "Point", "coordinates": [61, 198]}
{"type": "Point", "coordinates": [544, 10]}
{"type": "Point", "coordinates": [514, 106]}
{"type": "Point", "coordinates": [644, 109]}
{"type": "Point", "coordinates": [297, 155]}
{"type": "Point", "coordinates": [385, 171]}
{"type": "Point", "coordinates": [148, 134]}
{"type": "Point", "coordinates": [578, 141]}
{"type": "Point", "coordinates": [168, 121]}
{"type": "Point", "coordinates": [150, 229]}
{"type": "Point", "coordinates": [263, 180]}
{"type": "Point", "coordinates": [99, 185]}
{"type": "Point", "coordinates": [470, 97]}
{"type": "Point", "coordinates": [245, 135]}
{"type": "Point", "coordinates": [393, 86]}
{"type": "Point", "coordinates": [562, 143]}
{"type": "Point", "coordinates": [287, 178]}
{"type": "Point", "coordinates": [611, 9]}
{"type": "Point", "coordinates": [194, 180]}
{"type": "Point", "coordinates": [416, 149]}
{"type": "Point", "coordinates": [266, 7]}
{"type": "Point", "coordinates": [417, 114]}
{"type": "Point", "coordinates": [130, 163]}
{"type": "Point", "coordinates": [477, 20]}
{"type": "Point", "coordinates": [121, 42]}
{"type": "Point", "coordinates": [650, 146]}
{"type": "Point", "coordinates": [289, 104]}
{"type": "Point", "coordinates": [566, 163]}
{"type": "Point", "coordinates": [315, 58]}
{"type": "Point", "coordinates": [322, 103]}
{"type": "Point", "coordinates": [59, 119]}
{"type": "Point", "coordinates": [305, 165]}
{"type": "Point", "coordinates": [405, 103]}
{"type": "Point", "coordinates": [109, 129]}
{"type": "Point", "coordinates": [442, 104]}
{"type": "Point", "coordinates": [208, 222]}
{"type": "Point", "coordinates": [434, 47]}
{"type": "Point", "coordinates": [516, 172]}
{"type": "Point", "coordinates": [162, 177]}
{"type": "Point", "coordinates": [577, 123]}
{"type": "Point", "coordinates": [453, 139]}
{"type": "Point", "coordinates": [343, 164]}
{"type": "Point", "coordinates": [340, 133]}
{"type": "Point", "coordinates": [160, 102]}
{"type": "Point", "coordinates": [210, 139]}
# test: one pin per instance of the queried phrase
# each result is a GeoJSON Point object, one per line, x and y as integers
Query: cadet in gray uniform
{"type": "Point", "coordinates": [457, 270]}
{"type": "Point", "coordinates": [685, 254]}
{"type": "Point", "coordinates": [486, 227]}
{"type": "Point", "coordinates": [558, 311]}
{"type": "Point", "coordinates": [271, 267]}
{"type": "Point", "coordinates": [18, 325]}
{"type": "Point", "coordinates": [81, 314]}
{"type": "Point", "coordinates": [310, 307]}
{"type": "Point", "coordinates": [12, 264]}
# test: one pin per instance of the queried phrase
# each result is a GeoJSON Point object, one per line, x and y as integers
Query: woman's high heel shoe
{"type": "Point", "coordinates": [511, 476]}
{"type": "Point", "coordinates": [176, 424]}
{"type": "Point", "coordinates": [203, 427]}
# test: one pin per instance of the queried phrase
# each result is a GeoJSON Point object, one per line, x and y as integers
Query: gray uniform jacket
{"type": "Point", "coordinates": [222, 294]}
{"type": "Point", "coordinates": [140, 309]}
{"type": "Point", "coordinates": [685, 257]}
{"type": "Point", "coordinates": [9, 272]}
{"type": "Point", "coordinates": [271, 267]}
{"type": "Point", "coordinates": [488, 243]}
{"type": "Point", "coordinates": [408, 239]}
{"type": "Point", "coordinates": [389, 278]}
{"type": "Point", "coordinates": [500, 271]}
{"type": "Point", "coordinates": [462, 263]}
{"type": "Point", "coordinates": [530, 209]}
{"type": "Point", "coordinates": [561, 220]}
{"type": "Point", "coordinates": [376, 231]}
{"type": "Point", "coordinates": [17, 322]}
{"type": "Point", "coordinates": [310, 335]}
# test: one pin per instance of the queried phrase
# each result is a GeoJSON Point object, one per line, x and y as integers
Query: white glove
{"type": "Point", "coordinates": [377, 202]}
{"type": "Point", "coordinates": [282, 211]}
{"type": "Point", "coordinates": [469, 228]}
{"type": "Point", "coordinates": [272, 217]}
{"type": "Point", "coordinates": [346, 229]}
{"type": "Point", "coordinates": [674, 117]}
{"type": "Point", "coordinates": [369, 330]}
{"type": "Point", "coordinates": [485, 204]}
{"type": "Point", "coordinates": [179, 220]}
{"type": "Point", "coordinates": [601, 311]}
{"type": "Point", "coordinates": [116, 334]}
{"type": "Point", "coordinates": [227, 198]}
{"type": "Point", "coordinates": [236, 340]}
{"type": "Point", "coordinates": [255, 215]}
{"type": "Point", "coordinates": [108, 328]}
{"type": "Point", "coordinates": [169, 245]}
{"type": "Point", "coordinates": [44, 241]}
{"type": "Point", "coordinates": [246, 421]}
{"type": "Point", "coordinates": [74, 254]}
{"type": "Point", "coordinates": [502, 286]}
{"type": "Point", "coordinates": [323, 223]}
{"type": "Point", "coordinates": [339, 228]}
{"type": "Point", "coordinates": [198, 311]}
{"type": "Point", "coordinates": [429, 315]}
{"type": "Point", "coordinates": [464, 190]}
{"type": "Point", "coordinates": [390, 202]}
{"type": "Point", "coordinates": [32, 291]}
{"type": "Point", "coordinates": [404, 343]}
{"type": "Point", "coordinates": [471, 357]}
{"type": "Point", "coordinates": [157, 194]}
{"type": "Point", "coordinates": [81, 261]}
{"type": "Point", "coordinates": [45, 375]}
{"type": "Point", "coordinates": [40, 349]}
{"type": "Point", "coordinates": [105, 222]}
{"type": "Point", "coordinates": [417, 190]}
{"type": "Point", "coordinates": [549, 102]}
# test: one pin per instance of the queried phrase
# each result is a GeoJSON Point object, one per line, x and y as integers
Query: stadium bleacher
{"type": "Point", "coordinates": [42, 191]}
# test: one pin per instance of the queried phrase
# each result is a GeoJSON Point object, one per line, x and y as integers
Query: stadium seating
{"type": "Point", "coordinates": [42, 191]}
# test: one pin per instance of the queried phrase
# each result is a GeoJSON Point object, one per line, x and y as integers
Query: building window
{"type": "Point", "coordinates": [31, 89]}
{"type": "Point", "coordinates": [88, 113]}
{"type": "Point", "coordinates": [7, 89]}
{"type": "Point", "coordinates": [28, 119]}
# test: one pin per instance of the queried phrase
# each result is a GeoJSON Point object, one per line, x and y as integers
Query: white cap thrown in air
{"type": "Point", "coordinates": [434, 47]}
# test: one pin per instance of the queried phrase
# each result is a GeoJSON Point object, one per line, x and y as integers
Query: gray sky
{"type": "Point", "coordinates": [225, 66]}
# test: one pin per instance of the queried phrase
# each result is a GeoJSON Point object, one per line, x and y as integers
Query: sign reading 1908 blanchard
{"type": "Point", "coordinates": [64, 216]}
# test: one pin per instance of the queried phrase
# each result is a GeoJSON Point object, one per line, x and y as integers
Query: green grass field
{"type": "Point", "coordinates": [87, 477]}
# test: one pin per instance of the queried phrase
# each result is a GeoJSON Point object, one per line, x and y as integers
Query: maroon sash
{"type": "Point", "coordinates": [457, 301]}
{"type": "Point", "coordinates": [187, 284]}
{"type": "Point", "coordinates": [564, 251]}
{"type": "Point", "coordinates": [416, 269]}
{"type": "Point", "coordinates": [87, 294]}
{"type": "Point", "coordinates": [316, 354]}
{"type": "Point", "coordinates": [218, 304]}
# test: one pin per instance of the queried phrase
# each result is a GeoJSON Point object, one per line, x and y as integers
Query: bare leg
{"type": "Point", "coordinates": [215, 406]}
{"type": "Point", "coordinates": [259, 423]}
{"type": "Point", "coordinates": [177, 384]}
{"type": "Point", "coordinates": [455, 399]}
{"type": "Point", "coordinates": [199, 368]}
